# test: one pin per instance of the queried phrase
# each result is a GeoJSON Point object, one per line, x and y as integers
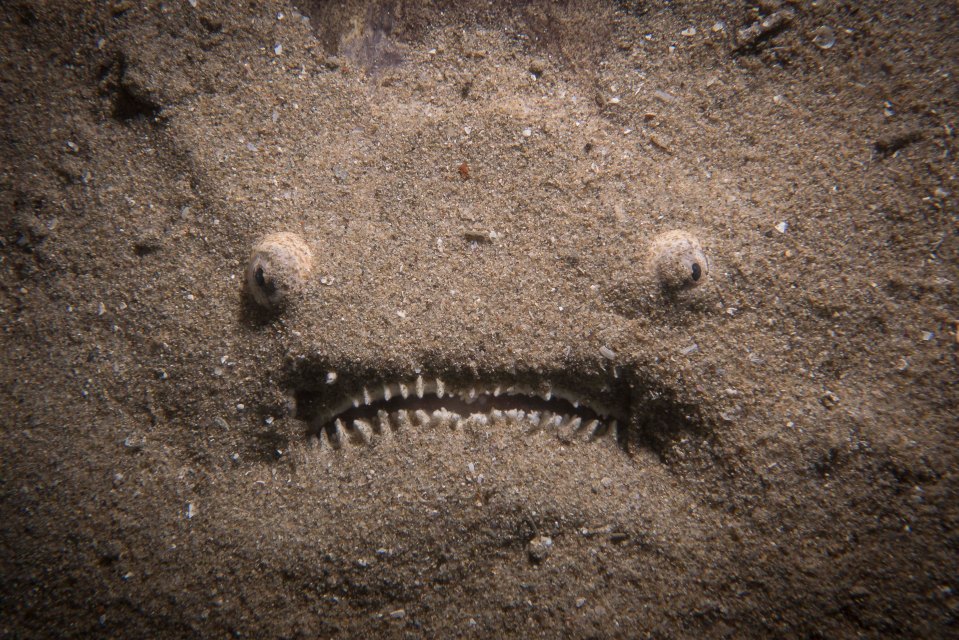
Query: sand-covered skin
{"type": "Point", "coordinates": [480, 187]}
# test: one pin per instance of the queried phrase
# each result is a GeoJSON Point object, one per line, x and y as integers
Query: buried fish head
{"type": "Point", "coordinates": [361, 367]}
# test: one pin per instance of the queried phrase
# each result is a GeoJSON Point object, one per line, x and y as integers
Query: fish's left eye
{"type": "Point", "coordinates": [278, 268]}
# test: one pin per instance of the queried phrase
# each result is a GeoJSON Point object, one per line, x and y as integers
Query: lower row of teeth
{"type": "Point", "coordinates": [362, 430]}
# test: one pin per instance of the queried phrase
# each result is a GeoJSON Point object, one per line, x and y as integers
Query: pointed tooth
{"type": "Point", "coordinates": [450, 419]}
{"type": "Point", "coordinates": [383, 420]}
{"type": "Point", "coordinates": [338, 435]}
{"type": "Point", "coordinates": [497, 390]}
{"type": "Point", "coordinates": [563, 431]}
{"type": "Point", "coordinates": [422, 417]}
{"type": "Point", "coordinates": [366, 396]}
{"type": "Point", "coordinates": [532, 422]}
{"type": "Point", "coordinates": [403, 419]}
{"type": "Point", "coordinates": [614, 427]}
{"type": "Point", "coordinates": [363, 429]}
{"type": "Point", "coordinates": [404, 391]}
{"type": "Point", "coordinates": [591, 429]}
{"type": "Point", "coordinates": [548, 394]}
{"type": "Point", "coordinates": [440, 388]}
{"type": "Point", "coordinates": [419, 386]}
{"type": "Point", "coordinates": [387, 392]}
{"type": "Point", "coordinates": [497, 415]}
{"type": "Point", "coordinates": [567, 430]}
{"type": "Point", "coordinates": [481, 419]}
{"type": "Point", "coordinates": [472, 393]}
{"type": "Point", "coordinates": [513, 414]}
{"type": "Point", "coordinates": [356, 401]}
{"type": "Point", "coordinates": [546, 419]}
{"type": "Point", "coordinates": [557, 420]}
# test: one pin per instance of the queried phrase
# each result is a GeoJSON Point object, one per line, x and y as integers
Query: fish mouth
{"type": "Point", "coordinates": [342, 408]}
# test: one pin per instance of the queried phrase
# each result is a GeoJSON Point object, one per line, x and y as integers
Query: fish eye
{"type": "Point", "coordinates": [678, 261]}
{"type": "Point", "coordinates": [279, 266]}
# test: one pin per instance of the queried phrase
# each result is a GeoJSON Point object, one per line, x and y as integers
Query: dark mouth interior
{"type": "Point", "coordinates": [339, 410]}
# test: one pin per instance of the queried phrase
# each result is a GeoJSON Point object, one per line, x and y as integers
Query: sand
{"type": "Point", "coordinates": [483, 188]}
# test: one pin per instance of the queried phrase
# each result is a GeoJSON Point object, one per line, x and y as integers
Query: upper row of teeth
{"type": "Point", "coordinates": [435, 386]}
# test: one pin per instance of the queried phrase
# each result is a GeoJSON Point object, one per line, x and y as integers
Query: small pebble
{"type": "Point", "coordinates": [782, 226]}
{"type": "Point", "coordinates": [829, 399]}
{"type": "Point", "coordinates": [693, 348]}
{"type": "Point", "coordinates": [278, 49]}
{"type": "Point", "coordinates": [663, 96]}
{"type": "Point", "coordinates": [539, 548]}
{"type": "Point", "coordinates": [928, 335]}
{"type": "Point", "coordinates": [607, 353]}
{"type": "Point", "coordinates": [690, 32]}
{"type": "Point", "coordinates": [824, 37]}
{"type": "Point", "coordinates": [398, 614]}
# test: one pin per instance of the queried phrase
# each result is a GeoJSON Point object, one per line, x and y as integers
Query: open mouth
{"type": "Point", "coordinates": [343, 410]}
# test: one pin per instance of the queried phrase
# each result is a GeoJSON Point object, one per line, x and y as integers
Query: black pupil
{"type": "Point", "coordinates": [697, 272]}
{"type": "Point", "coordinates": [258, 276]}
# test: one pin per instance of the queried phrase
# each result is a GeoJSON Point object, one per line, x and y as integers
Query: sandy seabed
{"type": "Point", "coordinates": [478, 194]}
